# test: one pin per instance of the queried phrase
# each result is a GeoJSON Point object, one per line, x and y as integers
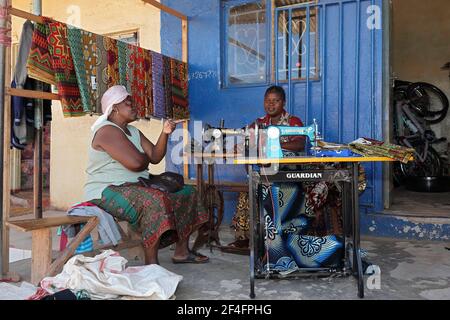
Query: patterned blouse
{"type": "Point", "coordinates": [285, 120]}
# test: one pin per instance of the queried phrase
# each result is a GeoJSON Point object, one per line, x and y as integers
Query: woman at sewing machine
{"type": "Point", "coordinates": [276, 114]}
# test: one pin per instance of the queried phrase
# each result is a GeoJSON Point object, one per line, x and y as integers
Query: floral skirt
{"type": "Point", "coordinates": [155, 214]}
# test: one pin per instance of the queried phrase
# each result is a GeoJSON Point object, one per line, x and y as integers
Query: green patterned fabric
{"type": "Point", "coordinates": [123, 54]}
{"type": "Point", "coordinates": [157, 215]}
{"type": "Point", "coordinates": [75, 43]}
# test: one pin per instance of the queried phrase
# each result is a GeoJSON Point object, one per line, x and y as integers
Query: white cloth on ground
{"type": "Point", "coordinates": [107, 226]}
{"type": "Point", "coordinates": [105, 277]}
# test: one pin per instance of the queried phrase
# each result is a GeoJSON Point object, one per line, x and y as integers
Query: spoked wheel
{"type": "Point", "coordinates": [430, 167]}
{"type": "Point", "coordinates": [428, 101]}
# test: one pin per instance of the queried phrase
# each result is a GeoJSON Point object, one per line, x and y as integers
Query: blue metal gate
{"type": "Point", "coordinates": [328, 57]}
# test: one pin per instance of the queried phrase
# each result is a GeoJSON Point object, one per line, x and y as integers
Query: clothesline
{"type": "Point", "coordinates": [158, 93]}
{"type": "Point", "coordinates": [32, 94]}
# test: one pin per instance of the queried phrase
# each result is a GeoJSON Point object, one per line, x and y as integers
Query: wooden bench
{"type": "Point", "coordinates": [41, 247]}
{"type": "Point", "coordinates": [41, 244]}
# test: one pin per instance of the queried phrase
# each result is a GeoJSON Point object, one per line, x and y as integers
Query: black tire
{"type": "Point", "coordinates": [431, 167]}
{"type": "Point", "coordinates": [428, 101]}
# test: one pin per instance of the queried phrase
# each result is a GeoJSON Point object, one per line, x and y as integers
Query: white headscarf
{"type": "Point", "coordinates": [112, 96]}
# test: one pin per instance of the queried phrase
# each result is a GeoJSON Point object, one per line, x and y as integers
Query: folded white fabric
{"type": "Point", "coordinates": [105, 277]}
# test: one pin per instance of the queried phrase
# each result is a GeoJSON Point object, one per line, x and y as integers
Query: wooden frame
{"type": "Point", "coordinates": [50, 96]}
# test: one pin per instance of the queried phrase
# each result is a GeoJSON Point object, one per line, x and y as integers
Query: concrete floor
{"type": "Point", "coordinates": [420, 204]}
{"type": "Point", "coordinates": [409, 270]}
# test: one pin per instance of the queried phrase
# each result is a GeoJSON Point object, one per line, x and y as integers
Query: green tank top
{"type": "Point", "coordinates": [103, 171]}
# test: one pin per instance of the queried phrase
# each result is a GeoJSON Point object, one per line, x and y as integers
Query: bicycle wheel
{"type": "Point", "coordinates": [430, 167]}
{"type": "Point", "coordinates": [428, 101]}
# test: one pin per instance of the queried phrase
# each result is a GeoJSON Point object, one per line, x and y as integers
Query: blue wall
{"type": "Point", "coordinates": [346, 100]}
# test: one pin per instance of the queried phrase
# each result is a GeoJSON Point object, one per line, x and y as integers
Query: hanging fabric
{"type": "Point", "coordinates": [112, 70]}
{"type": "Point", "coordinates": [63, 67]}
{"type": "Point", "coordinates": [122, 49]}
{"type": "Point", "coordinates": [179, 82]}
{"type": "Point", "coordinates": [39, 62]}
{"type": "Point", "coordinates": [148, 84]}
{"type": "Point", "coordinates": [84, 65]}
{"type": "Point", "coordinates": [159, 110]}
{"type": "Point", "coordinates": [84, 54]}
{"type": "Point", "coordinates": [167, 87]}
{"type": "Point", "coordinates": [138, 83]}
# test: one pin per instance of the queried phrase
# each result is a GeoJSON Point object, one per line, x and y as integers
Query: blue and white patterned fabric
{"type": "Point", "coordinates": [282, 209]}
{"type": "Point", "coordinates": [86, 245]}
{"type": "Point", "coordinates": [315, 252]}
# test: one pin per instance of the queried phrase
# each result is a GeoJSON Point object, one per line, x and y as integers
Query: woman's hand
{"type": "Point", "coordinates": [169, 126]}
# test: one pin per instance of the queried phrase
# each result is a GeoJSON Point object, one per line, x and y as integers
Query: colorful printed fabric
{"type": "Point", "coordinates": [84, 54]}
{"type": "Point", "coordinates": [137, 65]}
{"type": "Point", "coordinates": [168, 87]}
{"type": "Point", "coordinates": [374, 148]}
{"type": "Point", "coordinates": [63, 67]}
{"type": "Point", "coordinates": [102, 70]}
{"type": "Point", "coordinates": [148, 87]}
{"type": "Point", "coordinates": [112, 70]}
{"type": "Point", "coordinates": [159, 109]}
{"type": "Point", "coordinates": [179, 81]}
{"type": "Point", "coordinates": [122, 48]}
{"type": "Point", "coordinates": [156, 214]}
{"type": "Point", "coordinates": [39, 62]}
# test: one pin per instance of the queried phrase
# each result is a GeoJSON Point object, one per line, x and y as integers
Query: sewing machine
{"type": "Point", "coordinates": [216, 136]}
{"type": "Point", "coordinates": [273, 145]}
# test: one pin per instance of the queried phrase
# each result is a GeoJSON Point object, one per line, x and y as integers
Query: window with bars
{"type": "Point", "coordinates": [247, 46]}
{"type": "Point", "coordinates": [293, 43]}
{"type": "Point", "coordinates": [245, 38]}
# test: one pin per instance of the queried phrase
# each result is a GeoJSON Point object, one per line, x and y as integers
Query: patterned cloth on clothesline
{"type": "Point", "coordinates": [84, 54]}
{"type": "Point", "coordinates": [83, 65]}
{"type": "Point", "coordinates": [159, 110]}
{"type": "Point", "coordinates": [179, 81]}
{"type": "Point", "coordinates": [39, 62]}
{"type": "Point", "coordinates": [63, 67]}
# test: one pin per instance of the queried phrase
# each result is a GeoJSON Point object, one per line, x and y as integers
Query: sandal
{"type": "Point", "coordinates": [193, 257]}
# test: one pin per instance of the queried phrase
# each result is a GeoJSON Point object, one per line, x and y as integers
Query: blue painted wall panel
{"type": "Point", "coordinates": [335, 99]}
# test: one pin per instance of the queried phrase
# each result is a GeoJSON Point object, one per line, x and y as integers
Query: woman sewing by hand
{"type": "Point", "coordinates": [119, 155]}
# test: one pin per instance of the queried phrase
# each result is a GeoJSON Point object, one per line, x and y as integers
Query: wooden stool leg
{"type": "Point", "coordinates": [41, 251]}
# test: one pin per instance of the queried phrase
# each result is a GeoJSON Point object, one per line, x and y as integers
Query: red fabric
{"type": "Point", "coordinates": [63, 241]}
{"type": "Point", "coordinates": [84, 204]}
{"type": "Point", "coordinates": [39, 295]}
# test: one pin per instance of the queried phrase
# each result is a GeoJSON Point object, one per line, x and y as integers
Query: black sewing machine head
{"type": "Point", "coordinates": [215, 136]}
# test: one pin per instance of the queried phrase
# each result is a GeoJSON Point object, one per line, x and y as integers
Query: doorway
{"type": "Point", "coordinates": [419, 51]}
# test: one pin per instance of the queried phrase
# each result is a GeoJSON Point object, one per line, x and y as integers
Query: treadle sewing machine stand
{"type": "Point", "coordinates": [350, 207]}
